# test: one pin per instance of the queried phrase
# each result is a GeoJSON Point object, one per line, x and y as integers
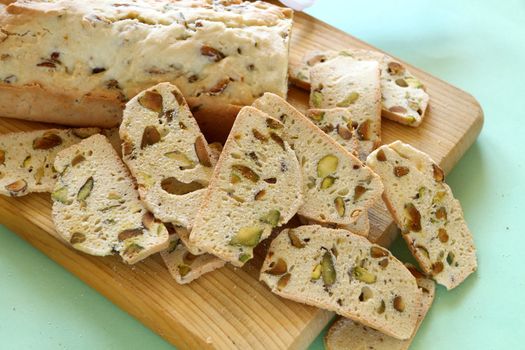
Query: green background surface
{"type": "Point", "coordinates": [478, 46]}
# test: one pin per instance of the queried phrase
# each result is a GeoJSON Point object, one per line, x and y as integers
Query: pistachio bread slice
{"type": "Point", "coordinates": [185, 266]}
{"type": "Point", "coordinates": [166, 153]}
{"type": "Point", "coordinates": [404, 98]}
{"type": "Point", "coordinates": [255, 187]}
{"type": "Point", "coordinates": [338, 188]}
{"type": "Point", "coordinates": [348, 334]}
{"type": "Point", "coordinates": [26, 158]}
{"type": "Point", "coordinates": [355, 85]}
{"type": "Point", "coordinates": [96, 207]}
{"type": "Point", "coordinates": [424, 208]}
{"type": "Point", "coordinates": [353, 132]}
{"type": "Point", "coordinates": [339, 271]}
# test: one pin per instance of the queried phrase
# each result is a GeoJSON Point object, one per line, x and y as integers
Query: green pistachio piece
{"type": "Point", "coordinates": [184, 269]}
{"type": "Point", "coordinates": [316, 272]}
{"type": "Point", "coordinates": [86, 189]}
{"type": "Point", "coordinates": [272, 217]}
{"type": "Point", "coordinates": [349, 100]}
{"type": "Point", "coordinates": [327, 182]}
{"type": "Point", "coordinates": [317, 99]}
{"type": "Point", "coordinates": [248, 236]}
{"type": "Point", "coordinates": [327, 165]}
{"type": "Point", "coordinates": [362, 274]}
{"type": "Point", "coordinates": [328, 269]}
{"type": "Point", "coordinates": [60, 195]}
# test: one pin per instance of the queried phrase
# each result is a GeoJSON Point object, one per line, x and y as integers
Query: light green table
{"type": "Point", "coordinates": [476, 45]}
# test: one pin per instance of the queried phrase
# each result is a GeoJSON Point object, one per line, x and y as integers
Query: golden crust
{"type": "Point", "coordinates": [37, 104]}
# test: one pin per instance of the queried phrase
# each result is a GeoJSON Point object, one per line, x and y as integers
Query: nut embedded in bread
{"type": "Point", "coordinates": [339, 271]}
{"type": "Point", "coordinates": [424, 208]}
{"type": "Point", "coordinates": [96, 207]}
{"type": "Point", "coordinates": [255, 187]}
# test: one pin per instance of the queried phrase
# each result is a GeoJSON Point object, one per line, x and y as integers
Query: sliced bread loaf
{"type": "Point", "coordinates": [342, 272]}
{"type": "Point", "coordinates": [353, 132]}
{"type": "Point", "coordinates": [91, 56]}
{"type": "Point", "coordinates": [185, 266]}
{"type": "Point", "coordinates": [26, 158]}
{"type": "Point", "coordinates": [96, 207]}
{"type": "Point", "coordinates": [337, 186]}
{"type": "Point", "coordinates": [404, 98]}
{"type": "Point", "coordinates": [423, 206]}
{"type": "Point", "coordinates": [348, 334]}
{"type": "Point", "coordinates": [255, 187]}
{"type": "Point", "coordinates": [166, 153]}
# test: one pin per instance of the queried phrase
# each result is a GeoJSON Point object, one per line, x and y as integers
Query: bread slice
{"type": "Point", "coordinates": [348, 334]}
{"type": "Point", "coordinates": [185, 266]}
{"type": "Point", "coordinates": [184, 236]}
{"type": "Point", "coordinates": [26, 158]}
{"type": "Point", "coordinates": [353, 132]}
{"type": "Point", "coordinates": [336, 270]}
{"type": "Point", "coordinates": [423, 206]}
{"type": "Point", "coordinates": [360, 227]}
{"type": "Point", "coordinates": [354, 85]}
{"type": "Point", "coordinates": [96, 207]}
{"type": "Point", "coordinates": [337, 186]}
{"type": "Point", "coordinates": [404, 98]}
{"type": "Point", "coordinates": [255, 187]}
{"type": "Point", "coordinates": [166, 153]}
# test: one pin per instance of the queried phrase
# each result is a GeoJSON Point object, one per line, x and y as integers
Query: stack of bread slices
{"type": "Point", "coordinates": [202, 207]}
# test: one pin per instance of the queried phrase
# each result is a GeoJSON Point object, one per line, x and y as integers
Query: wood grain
{"type": "Point", "coordinates": [229, 308]}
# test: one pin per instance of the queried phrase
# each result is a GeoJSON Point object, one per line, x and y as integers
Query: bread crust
{"type": "Point", "coordinates": [35, 103]}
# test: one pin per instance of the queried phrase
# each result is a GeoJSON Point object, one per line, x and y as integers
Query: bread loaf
{"type": "Point", "coordinates": [77, 62]}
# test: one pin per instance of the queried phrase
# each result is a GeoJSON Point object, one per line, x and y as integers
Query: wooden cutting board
{"type": "Point", "coordinates": [229, 308]}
